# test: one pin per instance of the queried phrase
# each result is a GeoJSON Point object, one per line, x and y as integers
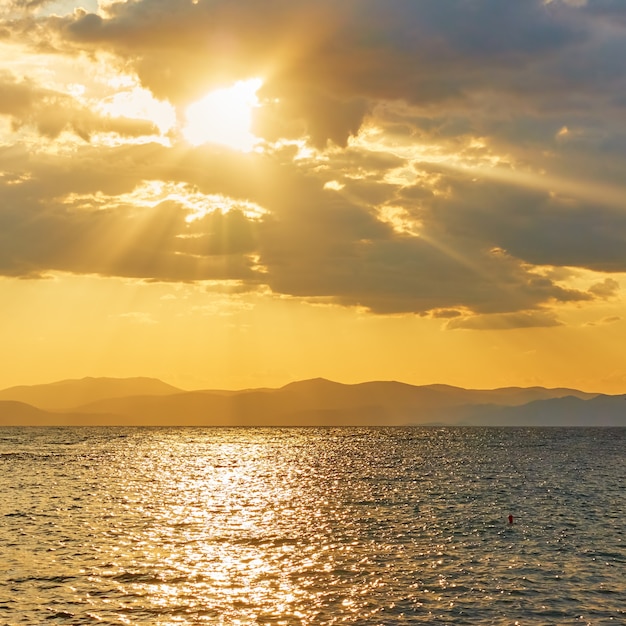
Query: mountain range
{"type": "Point", "coordinates": [316, 402]}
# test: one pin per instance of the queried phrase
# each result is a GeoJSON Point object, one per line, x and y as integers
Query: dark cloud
{"type": "Point", "coordinates": [69, 214]}
{"type": "Point", "coordinates": [446, 313]}
{"type": "Point", "coordinates": [610, 9]}
{"type": "Point", "coordinates": [536, 226]}
{"type": "Point", "coordinates": [152, 244]}
{"type": "Point", "coordinates": [362, 262]}
{"type": "Point", "coordinates": [608, 288]}
{"type": "Point", "coordinates": [305, 111]}
{"type": "Point", "coordinates": [325, 60]}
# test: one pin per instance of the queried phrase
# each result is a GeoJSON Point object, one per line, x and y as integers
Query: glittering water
{"type": "Point", "coordinates": [312, 526]}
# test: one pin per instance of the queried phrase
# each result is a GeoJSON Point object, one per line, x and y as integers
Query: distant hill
{"type": "Point", "coordinates": [20, 414]}
{"type": "Point", "coordinates": [571, 411]}
{"type": "Point", "coordinates": [15, 413]}
{"type": "Point", "coordinates": [316, 402]}
{"type": "Point", "coordinates": [67, 394]}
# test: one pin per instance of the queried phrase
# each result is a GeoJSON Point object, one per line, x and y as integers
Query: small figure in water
{"type": "Point", "coordinates": [510, 519]}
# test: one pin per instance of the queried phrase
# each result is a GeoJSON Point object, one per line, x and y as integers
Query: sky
{"type": "Point", "coordinates": [235, 194]}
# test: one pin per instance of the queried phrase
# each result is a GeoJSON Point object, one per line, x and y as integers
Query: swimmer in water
{"type": "Point", "coordinates": [510, 519]}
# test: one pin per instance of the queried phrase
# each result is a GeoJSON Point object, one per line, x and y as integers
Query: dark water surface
{"type": "Point", "coordinates": [312, 526]}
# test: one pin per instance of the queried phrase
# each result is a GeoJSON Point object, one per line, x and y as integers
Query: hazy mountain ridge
{"type": "Point", "coordinates": [315, 402]}
{"type": "Point", "coordinates": [14, 413]}
{"type": "Point", "coordinates": [601, 410]}
{"type": "Point", "coordinates": [65, 395]}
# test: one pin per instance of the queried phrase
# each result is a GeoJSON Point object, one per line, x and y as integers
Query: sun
{"type": "Point", "coordinates": [224, 116]}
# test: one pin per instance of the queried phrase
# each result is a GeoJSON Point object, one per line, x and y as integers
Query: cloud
{"type": "Point", "coordinates": [605, 321]}
{"type": "Point", "coordinates": [608, 288]}
{"type": "Point", "coordinates": [49, 222]}
{"type": "Point", "coordinates": [430, 174]}
{"type": "Point", "coordinates": [138, 317]}
{"type": "Point", "coordinates": [609, 9]}
{"type": "Point", "coordinates": [508, 321]}
{"type": "Point", "coordinates": [446, 313]}
{"type": "Point", "coordinates": [535, 226]}
{"type": "Point", "coordinates": [612, 319]}
{"type": "Point", "coordinates": [28, 4]}
{"type": "Point", "coordinates": [362, 263]}
{"type": "Point", "coordinates": [51, 112]}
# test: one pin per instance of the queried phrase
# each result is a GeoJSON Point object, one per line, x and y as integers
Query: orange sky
{"type": "Point", "coordinates": [241, 194]}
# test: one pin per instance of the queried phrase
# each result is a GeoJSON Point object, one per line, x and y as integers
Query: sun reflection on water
{"type": "Point", "coordinates": [228, 521]}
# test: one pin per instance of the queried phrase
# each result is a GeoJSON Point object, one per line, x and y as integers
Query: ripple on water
{"type": "Point", "coordinates": [312, 526]}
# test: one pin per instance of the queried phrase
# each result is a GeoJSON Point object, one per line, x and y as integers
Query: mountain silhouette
{"type": "Point", "coordinates": [315, 402]}
{"type": "Point", "coordinates": [67, 394]}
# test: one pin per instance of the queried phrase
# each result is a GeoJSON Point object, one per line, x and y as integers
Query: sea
{"type": "Point", "coordinates": [303, 526]}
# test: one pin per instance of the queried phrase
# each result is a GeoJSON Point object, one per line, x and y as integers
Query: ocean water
{"type": "Point", "coordinates": [312, 526]}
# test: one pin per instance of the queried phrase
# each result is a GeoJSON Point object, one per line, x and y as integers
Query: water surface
{"type": "Point", "coordinates": [312, 526]}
